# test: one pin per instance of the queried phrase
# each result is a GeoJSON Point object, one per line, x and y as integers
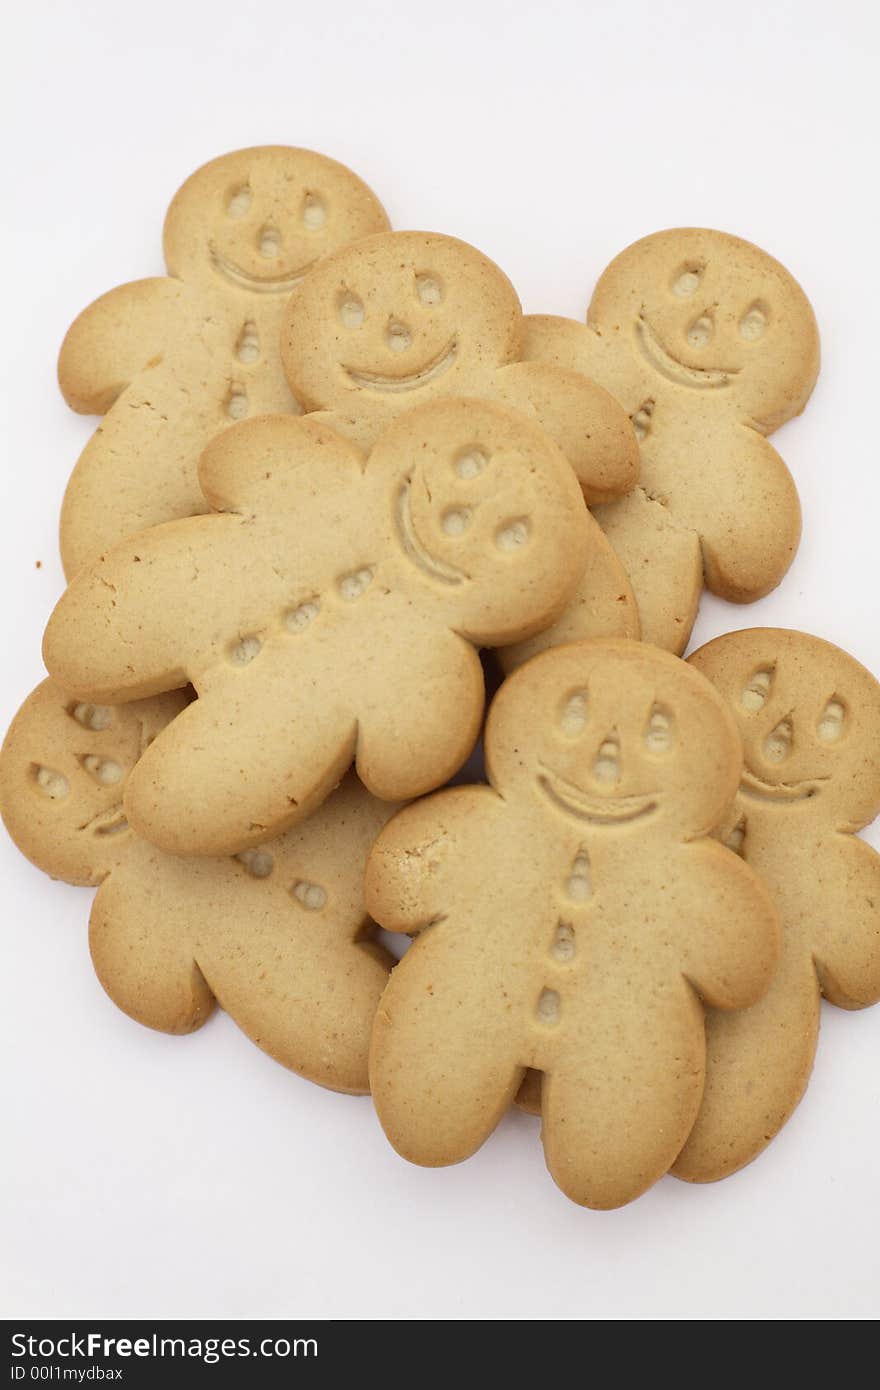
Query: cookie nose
{"type": "Point", "coordinates": [270, 242]}
{"type": "Point", "coordinates": [606, 765]}
{"type": "Point", "coordinates": [699, 335]}
{"type": "Point", "coordinates": [398, 336]}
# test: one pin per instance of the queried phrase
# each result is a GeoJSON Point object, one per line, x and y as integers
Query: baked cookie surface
{"type": "Point", "coordinates": [709, 344]}
{"type": "Point", "coordinates": [571, 917]}
{"type": "Point", "coordinates": [278, 936]}
{"type": "Point", "coordinates": [809, 715]}
{"type": "Point", "coordinates": [172, 361]}
{"type": "Point", "coordinates": [328, 611]}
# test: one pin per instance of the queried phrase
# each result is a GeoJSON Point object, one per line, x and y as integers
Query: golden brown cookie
{"type": "Point", "coordinates": [278, 936]}
{"type": "Point", "coordinates": [709, 344]}
{"type": "Point", "coordinates": [810, 720]}
{"type": "Point", "coordinates": [328, 611]}
{"type": "Point", "coordinates": [572, 917]}
{"type": "Point", "coordinates": [174, 360]}
{"type": "Point", "coordinates": [408, 317]}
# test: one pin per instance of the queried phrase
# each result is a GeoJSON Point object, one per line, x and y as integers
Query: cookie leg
{"type": "Point", "coordinates": [443, 1061]}
{"type": "Point", "coordinates": [618, 1103]}
{"type": "Point", "coordinates": [308, 1003]}
{"type": "Point", "coordinates": [757, 1066]}
{"type": "Point", "coordinates": [145, 965]}
{"type": "Point", "coordinates": [664, 565]}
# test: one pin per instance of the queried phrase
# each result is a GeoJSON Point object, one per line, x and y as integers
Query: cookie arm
{"type": "Point", "coordinates": [416, 734]}
{"type": "Point", "coordinates": [421, 857]}
{"type": "Point", "coordinates": [847, 943]}
{"type": "Point", "coordinates": [121, 334]}
{"type": "Point", "coordinates": [584, 419]}
{"type": "Point", "coordinates": [750, 533]}
{"type": "Point", "coordinates": [730, 931]}
{"type": "Point", "coordinates": [138, 621]}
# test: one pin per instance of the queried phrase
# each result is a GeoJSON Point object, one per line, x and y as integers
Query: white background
{"type": "Point", "coordinates": [150, 1176]}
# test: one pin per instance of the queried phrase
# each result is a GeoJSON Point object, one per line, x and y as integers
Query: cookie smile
{"type": "Point", "coordinates": [415, 548]}
{"type": "Point", "coordinates": [598, 810]}
{"type": "Point", "coordinates": [265, 284]}
{"type": "Point", "coordinates": [109, 822]}
{"type": "Point", "coordinates": [755, 786]}
{"type": "Point", "coordinates": [376, 381]}
{"type": "Point", "coordinates": [662, 360]}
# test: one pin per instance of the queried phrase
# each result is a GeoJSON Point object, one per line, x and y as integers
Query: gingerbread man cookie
{"type": "Point", "coordinates": [408, 317]}
{"type": "Point", "coordinates": [810, 720]}
{"type": "Point", "coordinates": [328, 611]}
{"type": "Point", "coordinates": [572, 917]}
{"type": "Point", "coordinates": [278, 936]}
{"type": "Point", "coordinates": [709, 345]}
{"type": "Point", "coordinates": [173, 361]}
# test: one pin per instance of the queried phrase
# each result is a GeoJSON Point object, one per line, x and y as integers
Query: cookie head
{"type": "Point", "coordinates": [809, 716]}
{"type": "Point", "coordinates": [485, 510]}
{"type": "Point", "coordinates": [615, 737]}
{"type": "Point", "coordinates": [63, 769]}
{"type": "Point", "coordinates": [398, 319]}
{"type": "Point", "coordinates": [259, 219]}
{"type": "Point", "coordinates": [710, 313]}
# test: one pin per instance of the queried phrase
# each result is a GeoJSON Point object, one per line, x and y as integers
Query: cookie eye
{"type": "Point", "coordinates": [777, 745]}
{"type": "Point", "coordinates": [314, 213]}
{"type": "Point", "coordinates": [753, 323]}
{"type": "Point", "coordinates": [104, 771]}
{"type": "Point", "coordinates": [51, 783]}
{"type": "Point", "coordinates": [258, 862]}
{"type": "Point", "coordinates": [573, 719]}
{"type": "Point", "coordinates": [700, 332]}
{"type": "Point", "coordinates": [239, 201]}
{"type": "Point", "coordinates": [832, 720]}
{"type": "Point", "coordinates": [686, 280]}
{"type": "Point", "coordinates": [512, 534]}
{"type": "Point", "coordinates": [94, 717]}
{"type": "Point", "coordinates": [471, 463]}
{"type": "Point", "coordinates": [754, 697]}
{"type": "Point", "coordinates": [428, 289]}
{"type": "Point", "coordinates": [311, 895]}
{"type": "Point", "coordinates": [351, 311]}
{"type": "Point", "coordinates": [658, 734]}
{"type": "Point", "coordinates": [456, 522]}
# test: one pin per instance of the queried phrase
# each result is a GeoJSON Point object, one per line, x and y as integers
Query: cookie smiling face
{"type": "Point", "coordinates": [707, 312]}
{"type": "Point", "coordinates": [258, 220]}
{"type": "Point", "coordinates": [482, 507]}
{"type": "Point", "coordinates": [809, 716]}
{"type": "Point", "coordinates": [610, 734]}
{"type": "Point", "coordinates": [63, 770]}
{"type": "Point", "coordinates": [397, 320]}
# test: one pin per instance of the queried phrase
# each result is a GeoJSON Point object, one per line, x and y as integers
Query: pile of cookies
{"type": "Point", "coordinates": [336, 465]}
